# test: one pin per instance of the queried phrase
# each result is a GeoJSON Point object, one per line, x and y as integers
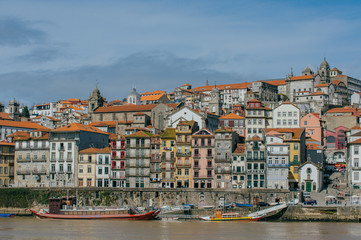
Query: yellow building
{"type": "Point", "coordinates": [184, 132]}
{"type": "Point", "coordinates": [6, 164]}
{"type": "Point", "coordinates": [167, 151]}
{"type": "Point", "coordinates": [87, 167]}
{"type": "Point", "coordinates": [295, 137]}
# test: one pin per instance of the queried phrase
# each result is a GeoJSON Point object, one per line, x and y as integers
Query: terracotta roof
{"type": "Point", "coordinates": [151, 97]}
{"type": "Point", "coordinates": [231, 116]}
{"type": "Point", "coordinates": [139, 114]}
{"type": "Point", "coordinates": [223, 87]}
{"type": "Point", "coordinates": [108, 123]}
{"type": "Point", "coordinates": [296, 131]}
{"type": "Point", "coordinates": [77, 127]}
{"type": "Point", "coordinates": [313, 146]}
{"type": "Point", "coordinates": [336, 82]}
{"type": "Point", "coordinates": [140, 134]}
{"type": "Point", "coordinates": [223, 129]}
{"type": "Point", "coordinates": [186, 123]}
{"type": "Point", "coordinates": [18, 134]}
{"type": "Point", "coordinates": [95, 150]}
{"type": "Point", "coordinates": [240, 148]}
{"type": "Point", "coordinates": [5, 116]}
{"type": "Point", "coordinates": [53, 119]}
{"type": "Point", "coordinates": [254, 100]}
{"type": "Point", "coordinates": [126, 108]}
{"type": "Point", "coordinates": [318, 93]}
{"type": "Point", "coordinates": [303, 77]}
{"type": "Point", "coordinates": [3, 143]}
{"type": "Point", "coordinates": [334, 69]}
{"type": "Point", "coordinates": [276, 82]}
{"type": "Point", "coordinates": [255, 138]}
{"type": "Point", "coordinates": [29, 125]}
{"type": "Point", "coordinates": [356, 127]}
{"type": "Point", "coordinates": [273, 133]}
{"type": "Point", "coordinates": [323, 85]}
{"type": "Point", "coordinates": [342, 110]}
{"type": "Point", "coordinates": [341, 75]}
{"type": "Point", "coordinates": [315, 114]}
{"type": "Point", "coordinates": [358, 141]}
{"type": "Point", "coordinates": [168, 133]}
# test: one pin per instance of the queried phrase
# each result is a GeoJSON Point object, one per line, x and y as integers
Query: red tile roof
{"type": "Point", "coordinates": [140, 134]}
{"type": "Point", "coordinates": [276, 82]}
{"type": "Point", "coordinates": [318, 93]}
{"type": "Point", "coordinates": [77, 127]}
{"type": "Point", "coordinates": [151, 97]}
{"type": "Point", "coordinates": [223, 87]}
{"type": "Point", "coordinates": [343, 110]}
{"type": "Point", "coordinates": [29, 125]}
{"type": "Point", "coordinates": [231, 116]}
{"type": "Point", "coordinates": [126, 108]}
{"type": "Point", "coordinates": [303, 77]}
{"type": "Point", "coordinates": [323, 85]}
{"type": "Point", "coordinates": [240, 148]}
{"type": "Point", "coordinates": [95, 150]}
{"type": "Point", "coordinates": [5, 116]}
{"type": "Point", "coordinates": [3, 143]}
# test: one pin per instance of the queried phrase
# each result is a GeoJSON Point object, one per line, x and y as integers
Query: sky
{"type": "Point", "coordinates": [52, 50]}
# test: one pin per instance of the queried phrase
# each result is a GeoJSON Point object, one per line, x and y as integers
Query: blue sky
{"type": "Point", "coordinates": [51, 50]}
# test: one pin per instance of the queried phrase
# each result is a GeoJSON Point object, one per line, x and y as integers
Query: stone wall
{"type": "Point", "coordinates": [141, 197]}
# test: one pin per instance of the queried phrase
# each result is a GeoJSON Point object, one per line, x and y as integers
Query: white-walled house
{"type": "Point", "coordinates": [311, 177]}
{"type": "Point", "coordinates": [353, 162]}
{"type": "Point", "coordinates": [286, 115]}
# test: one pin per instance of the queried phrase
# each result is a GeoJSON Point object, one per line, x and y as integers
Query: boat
{"type": "Point", "coordinates": [6, 215]}
{"type": "Point", "coordinates": [64, 208]}
{"type": "Point", "coordinates": [243, 205]}
{"type": "Point", "coordinates": [230, 216]}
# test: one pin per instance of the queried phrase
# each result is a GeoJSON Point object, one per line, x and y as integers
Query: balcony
{"type": "Point", "coordinates": [155, 180]}
{"type": "Point", "coordinates": [155, 170]}
{"type": "Point", "coordinates": [39, 160]}
{"type": "Point", "coordinates": [203, 145]}
{"type": "Point", "coordinates": [222, 171]}
{"type": "Point", "coordinates": [167, 168]}
{"type": "Point", "coordinates": [20, 160]}
{"type": "Point", "coordinates": [23, 172]}
{"type": "Point", "coordinates": [278, 165]}
{"type": "Point", "coordinates": [197, 156]}
{"type": "Point", "coordinates": [155, 160]}
{"type": "Point", "coordinates": [209, 157]}
{"type": "Point", "coordinates": [222, 160]}
{"type": "Point", "coordinates": [185, 154]}
{"type": "Point", "coordinates": [186, 165]}
{"type": "Point", "coordinates": [39, 171]}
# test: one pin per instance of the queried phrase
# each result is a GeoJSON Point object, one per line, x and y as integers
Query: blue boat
{"type": "Point", "coordinates": [243, 205]}
{"type": "Point", "coordinates": [5, 215]}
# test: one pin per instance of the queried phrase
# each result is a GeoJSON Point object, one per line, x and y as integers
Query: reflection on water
{"type": "Point", "coordinates": [32, 228]}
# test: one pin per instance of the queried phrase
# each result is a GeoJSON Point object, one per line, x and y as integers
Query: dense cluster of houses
{"type": "Point", "coordinates": [276, 134]}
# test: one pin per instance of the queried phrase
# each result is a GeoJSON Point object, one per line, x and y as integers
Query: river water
{"type": "Point", "coordinates": [32, 228]}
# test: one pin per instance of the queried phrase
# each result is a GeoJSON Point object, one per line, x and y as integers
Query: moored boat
{"type": "Point", "coordinates": [6, 215]}
{"type": "Point", "coordinates": [242, 205]}
{"type": "Point", "coordinates": [230, 216]}
{"type": "Point", "coordinates": [60, 208]}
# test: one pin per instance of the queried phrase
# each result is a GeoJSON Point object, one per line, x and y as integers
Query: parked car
{"type": "Point", "coordinates": [310, 202]}
{"type": "Point", "coordinates": [263, 204]}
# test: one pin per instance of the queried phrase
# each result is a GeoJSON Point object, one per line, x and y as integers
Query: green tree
{"type": "Point", "coordinates": [25, 112]}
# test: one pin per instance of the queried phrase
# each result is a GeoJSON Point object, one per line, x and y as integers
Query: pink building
{"type": "Point", "coordinates": [314, 126]}
{"type": "Point", "coordinates": [203, 159]}
{"type": "Point", "coordinates": [336, 139]}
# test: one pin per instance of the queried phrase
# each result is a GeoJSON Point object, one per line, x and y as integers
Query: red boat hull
{"type": "Point", "coordinates": [146, 216]}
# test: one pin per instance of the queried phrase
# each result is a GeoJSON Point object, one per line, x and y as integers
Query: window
{"type": "Point", "coordinates": [69, 146]}
{"type": "Point", "coordinates": [289, 114]}
{"type": "Point", "coordinates": [89, 169]}
{"type": "Point", "coordinates": [80, 168]}
{"type": "Point", "coordinates": [100, 160]}
{"type": "Point", "coordinates": [69, 156]}
{"type": "Point", "coordinates": [356, 162]}
{"type": "Point", "coordinates": [53, 146]}
{"type": "Point", "coordinates": [69, 167]}
{"type": "Point", "coordinates": [100, 182]}
{"type": "Point", "coordinates": [278, 122]}
{"type": "Point", "coordinates": [355, 149]}
{"type": "Point", "coordinates": [356, 176]}
{"type": "Point", "coordinates": [179, 171]}
{"type": "Point", "coordinates": [279, 114]}
{"type": "Point", "coordinates": [89, 158]}
{"type": "Point", "coordinates": [305, 123]}
{"type": "Point", "coordinates": [295, 122]}
{"type": "Point", "coordinates": [186, 172]}
{"type": "Point", "coordinates": [284, 122]}
{"type": "Point", "coordinates": [106, 170]}
{"type": "Point", "coordinates": [100, 170]}
{"type": "Point", "coordinates": [61, 168]}
{"type": "Point", "coordinates": [295, 146]}
{"type": "Point", "coordinates": [89, 182]}
{"type": "Point", "coordinates": [80, 181]}
{"type": "Point", "coordinates": [81, 159]}
{"type": "Point", "coordinates": [53, 167]}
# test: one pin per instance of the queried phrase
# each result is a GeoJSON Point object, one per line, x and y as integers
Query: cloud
{"type": "Point", "coordinates": [16, 32]}
{"type": "Point", "coordinates": [147, 71]}
{"type": "Point", "coordinates": [39, 55]}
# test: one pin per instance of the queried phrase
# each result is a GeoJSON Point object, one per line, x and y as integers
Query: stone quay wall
{"type": "Point", "coordinates": [155, 197]}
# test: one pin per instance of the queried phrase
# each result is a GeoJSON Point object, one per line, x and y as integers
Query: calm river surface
{"type": "Point", "coordinates": [32, 228]}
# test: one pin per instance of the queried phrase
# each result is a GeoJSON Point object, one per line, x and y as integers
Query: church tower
{"type": "Point", "coordinates": [215, 104]}
{"type": "Point", "coordinates": [324, 71]}
{"type": "Point", "coordinates": [14, 112]}
{"type": "Point", "coordinates": [133, 97]}
{"type": "Point", "coordinates": [95, 100]}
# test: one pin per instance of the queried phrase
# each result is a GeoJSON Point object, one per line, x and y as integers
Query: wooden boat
{"type": "Point", "coordinates": [61, 208]}
{"type": "Point", "coordinates": [230, 216]}
{"type": "Point", "coordinates": [6, 215]}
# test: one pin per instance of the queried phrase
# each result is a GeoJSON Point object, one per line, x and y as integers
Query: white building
{"type": "Point", "coordinates": [286, 115]}
{"type": "Point", "coordinates": [239, 167]}
{"type": "Point", "coordinates": [102, 174]}
{"type": "Point", "coordinates": [204, 119]}
{"type": "Point", "coordinates": [354, 157]}
{"type": "Point", "coordinates": [311, 177]}
{"type": "Point", "coordinates": [278, 163]}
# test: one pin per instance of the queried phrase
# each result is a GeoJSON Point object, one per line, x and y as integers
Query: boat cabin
{"type": "Point", "coordinates": [57, 204]}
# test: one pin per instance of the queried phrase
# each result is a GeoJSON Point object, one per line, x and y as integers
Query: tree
{"type": "Point", "coordinates": [25, 112]}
